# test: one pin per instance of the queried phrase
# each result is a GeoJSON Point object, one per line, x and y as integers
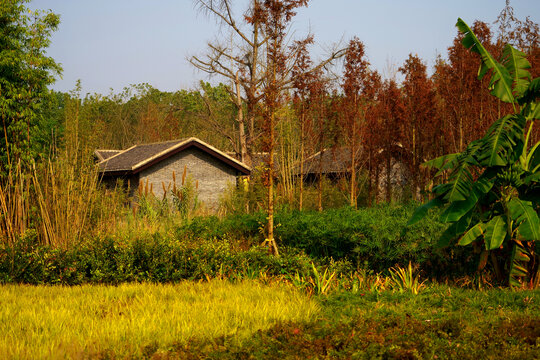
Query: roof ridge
{"type": "Point", "coordinates": [119, 153]}
{"type": "Point", "coordinates": [163, 142]}
{"type": "Point", "coordinates": [179, 142]}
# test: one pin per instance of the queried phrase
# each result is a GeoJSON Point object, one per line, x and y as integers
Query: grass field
{"type": "Point", "coordinates": [249, 320]}
{"type": "Point", "coordinates": [135, 320]}
{"type": "Point", "coordinates": [439, 323]}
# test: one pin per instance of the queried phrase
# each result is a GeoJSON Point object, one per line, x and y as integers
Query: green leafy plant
{"type": "Point", "coordinates": [404, 279]}
{"type": "Point", "coordinates": [321, 281]}
{"type": "Point", "coordinates": [492, 194]}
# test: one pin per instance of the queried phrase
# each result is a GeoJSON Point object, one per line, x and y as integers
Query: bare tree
{"type": "Point", "coordinates": [243, 61]}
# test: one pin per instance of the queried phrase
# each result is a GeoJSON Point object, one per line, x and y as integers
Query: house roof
{"type": "Point", "coordinates": [333, 160]}
{"type": "Point", "coordinates": [338, 160]}
{"type": "Point", "coordinates": [102, 154]}
{"type": "Point", "coordinates": [142, 156]}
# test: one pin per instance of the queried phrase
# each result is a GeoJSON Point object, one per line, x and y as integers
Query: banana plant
{"type": "Point", "coordinates": [491, 198]}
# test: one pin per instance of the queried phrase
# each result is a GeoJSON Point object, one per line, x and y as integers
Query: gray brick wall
{"type": "Point", "coordinates": [212, 175]}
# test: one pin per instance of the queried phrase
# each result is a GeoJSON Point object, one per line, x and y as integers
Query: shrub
{"type": "Point", "coordinates": [374, 238]}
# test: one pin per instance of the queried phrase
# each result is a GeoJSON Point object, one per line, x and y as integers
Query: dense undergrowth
{"type": "Point", "coordinates": [341, 241]}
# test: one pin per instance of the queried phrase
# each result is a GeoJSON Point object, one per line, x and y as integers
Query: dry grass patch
{"type": "Point", "coordinates": [128, 320]}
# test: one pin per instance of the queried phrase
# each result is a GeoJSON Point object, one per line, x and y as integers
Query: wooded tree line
{"type": "Point", "coordinates": [311, 109]}
{"type": "Point", "coordinates": [427, 115]}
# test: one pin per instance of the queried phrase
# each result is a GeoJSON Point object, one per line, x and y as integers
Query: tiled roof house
{"type": "Point", "coordinates": [158, 164]}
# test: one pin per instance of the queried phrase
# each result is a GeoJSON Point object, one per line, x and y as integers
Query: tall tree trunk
{"type": "Point", "coordinates": [353, 172]}
{"type": "Point", "coordinates": [414, 165]}
{"type": "Point", "coordinates": [320, 189]}
{"type": "Point", "coordinates": [244, 156]}
{"type": "Point", "coordinates": [388, 177]}
{"type": "Point", "coordinates": [302, 140]}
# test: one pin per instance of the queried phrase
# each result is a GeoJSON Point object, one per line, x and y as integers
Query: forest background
{"type": "Point", "coordinates": [50, 136]}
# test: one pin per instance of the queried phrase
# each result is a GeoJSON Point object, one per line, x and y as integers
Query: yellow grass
{"type": "Point", "coordinates": [88, 321]}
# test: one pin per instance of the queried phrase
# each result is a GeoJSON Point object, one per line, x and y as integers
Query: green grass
{"type": "Point", "coordinates": [249, 320]}
{"type": "Point", "coordinates": [439, 323]}
{"type": "Point", "coordinates": [134, 320]}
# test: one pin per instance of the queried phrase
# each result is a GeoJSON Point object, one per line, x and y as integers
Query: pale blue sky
{"type": "Point", "coordinates": [114, 43]}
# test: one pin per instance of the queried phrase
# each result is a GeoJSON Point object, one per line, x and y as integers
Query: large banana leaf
{"type": "Point", "coordinates": [455, 230]}
{"type": "Point", "coordinates": [531, 110]}
{"type": "Point", "coordinates": [526, 219]}
{"type": "Point", "coordinates": [460, 180]}
{"type": "Point", "coordinates": [501, 80]}
{"type": "Point", "coordinates": [457, 209]}
{"type": "Point", "coordinates": [473, 234]}
{"type": "Point", "coordinates": [518, 265]}
{"type": "Point", "coordinates": [495, 232]}
{"type": "Point", "coordinates": [503, 142]}
{"type": "Point", "coordinates": [460, 184]}
{"type": "Point", "coordinates": [442, 163]}
{"type": "Point", "coordinates": [517, 64]}
{"type": "Point", "coordinates": [421, 211]}
{"type": "Point", "coordinates": [531, 162]}
{"type": "Point", "coordinates": [532, 93]}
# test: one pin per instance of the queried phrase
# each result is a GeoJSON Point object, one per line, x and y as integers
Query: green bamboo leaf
{"type": "Point", "coordinates": [495, 232]}
{"type": "Point", "coordinates": [501, 81]}
{"type": "Point", "coordinates": [472, 234]}
{"type": "Point", "coordinates": [526, 219]}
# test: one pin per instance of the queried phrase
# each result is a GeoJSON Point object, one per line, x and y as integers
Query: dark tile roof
{"type": "Point", "coordinates": [334, 160]}
{"type": "Point", "coordinates": [103, 154]}
{"type": "Point", "coordinates": [128, 159]}
{"type": "Point", "coordinates": [139, 156]}
{"type": "Point", "coordinates": [258, 159]}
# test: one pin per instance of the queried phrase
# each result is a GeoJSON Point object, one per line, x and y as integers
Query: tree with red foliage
{"type": "Point", "coordinates": [466, 106]}
{"type": "Point", "coordinates": [354, 80]}
{"type": "Point", "coordinates": [422, 130]}
{"type": "Point", "coordinates": [276, 16]}
{"type": "Point", "coordinates": [370, 129]}
{"type": "Point", "coordinates": [302, 81]}
{"type": "Point", "coordinates": [390, 127]}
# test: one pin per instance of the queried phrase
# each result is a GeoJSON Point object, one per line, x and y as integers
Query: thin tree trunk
{"type": "Point", "coordinates": [415, 169]}
{"type": "Point", "coordinates": [320, 190]}
{"type": "Point", "coordinates": [353, 172]}
{"type": "Point", "coordinates": [388, 178]}
{"type": "Point", "coordinates": [241, 126]}
{"type": "Point", "coordinates": [271, 238]}
{"type": "Point", "coordinates": [302, 140]}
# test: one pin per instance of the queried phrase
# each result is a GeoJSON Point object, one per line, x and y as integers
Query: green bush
{"type": "Point", "coordinates": [151, 258]}
{"type": "Point", "coordinates": [376, 237]}
{"type": "Point", "coordinates": [344, 239]}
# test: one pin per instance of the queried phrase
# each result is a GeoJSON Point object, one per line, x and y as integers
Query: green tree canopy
{"type": "Point", "coordinates": [25, 73]}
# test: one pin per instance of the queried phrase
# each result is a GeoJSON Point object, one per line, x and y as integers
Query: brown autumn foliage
{"type": "Point", "coordinates": [423, 135]}
{"type": "Point", "coordinates": [427, 115]}
{"type": "Point", "coordinates": [352, 116]}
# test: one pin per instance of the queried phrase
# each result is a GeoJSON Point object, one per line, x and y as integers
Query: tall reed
{"type": "Point", "coordinates": [60, 201]}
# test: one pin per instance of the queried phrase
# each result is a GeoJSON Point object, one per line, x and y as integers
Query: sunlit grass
{"type": "Point", "coordinates": [83, 321]}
